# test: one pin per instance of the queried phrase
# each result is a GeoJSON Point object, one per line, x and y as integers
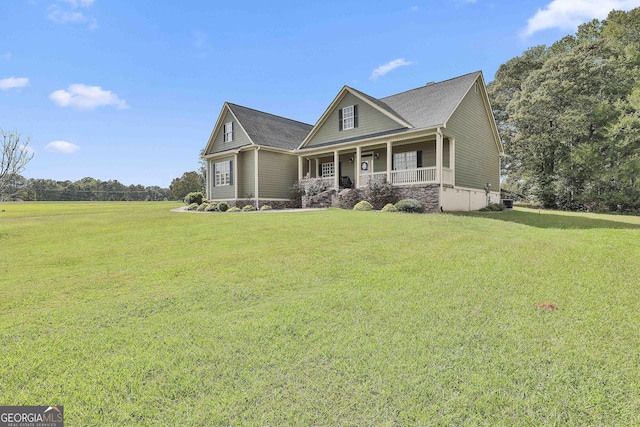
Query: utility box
{"type": "Point", "coordinates": [508, 203]}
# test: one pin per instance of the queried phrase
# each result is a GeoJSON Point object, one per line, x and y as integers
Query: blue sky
{"type": "Point", "coordinates": [130, 90]}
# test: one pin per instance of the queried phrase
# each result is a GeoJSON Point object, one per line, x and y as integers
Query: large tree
{"type": "Point", "coordinates": [15, 156]}
{"type": "Point", "coordinates": [187, 183]}
{"type": "Point", "coordinates": [568, 116]}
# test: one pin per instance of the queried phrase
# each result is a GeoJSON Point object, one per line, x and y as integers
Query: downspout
{"type": "Point", "coordinates": [256, 179]}
{"type": "Point", "coordinates": [439, 148]}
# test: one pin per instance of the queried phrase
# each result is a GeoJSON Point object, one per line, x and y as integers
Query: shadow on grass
{"type": "Point", "coordinates": [551, 219]}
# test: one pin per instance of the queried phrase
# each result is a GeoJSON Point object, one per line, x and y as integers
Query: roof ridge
{"type": "Point", "coordinates": [431, 85]}
{"type": "Point", "coordinates": [268, 114]}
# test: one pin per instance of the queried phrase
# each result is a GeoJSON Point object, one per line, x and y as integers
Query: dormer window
{"type": "Point", "coordinates": [228, 132]}
{"type": "Point", "coordinates": [348, 117]}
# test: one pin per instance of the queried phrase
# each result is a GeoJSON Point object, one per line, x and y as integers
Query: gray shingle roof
{"type": "Point", "coordinates": [270, 130]}
{"type": "Point", "coordinates": [431, 105]}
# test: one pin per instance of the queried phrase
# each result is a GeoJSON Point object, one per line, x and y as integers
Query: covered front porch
{"type": "Point", "coordinates": [425, 160]}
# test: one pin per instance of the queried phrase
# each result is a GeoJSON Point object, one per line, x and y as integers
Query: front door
{"type": "Point", "coordinates": [366, 168]}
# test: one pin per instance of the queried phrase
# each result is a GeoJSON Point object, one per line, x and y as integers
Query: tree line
{"type": "Point", "coordinates": [85, 189]}
{"type": "Point", "coordinates": [569, 118]}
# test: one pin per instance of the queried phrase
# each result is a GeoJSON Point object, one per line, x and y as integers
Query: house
{"type": "Point", "coordinates": [250, 155]}
{"type": "Point", "coordinates": [437, 143]}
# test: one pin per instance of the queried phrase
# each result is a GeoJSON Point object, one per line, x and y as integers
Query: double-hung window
{"type": "Point", "coordinates": [228, 132]}
{"type": "Point", "coordinates": [407, 160]}
{"type": "Point", "coordinates": [223, 173]}
{"type": "Point", "coordinates": [348, 117]}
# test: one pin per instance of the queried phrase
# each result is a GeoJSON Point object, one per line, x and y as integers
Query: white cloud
{"type": "Point", "coordinates": [64, 17]}
{"type": "Point", "coordinates": [7, 56]}
{"type": "Point", "coordinates": [13, 82]}
{"type": "Point", "coordinates": [79, 3]}
{"type": "Point", "coordinates": [390, 66]}
{"type": "Point", "coordinates": [86, 97]}
{"type": "Point", "coordinates": [569, 14]}
{"type": "Point", "coordinates": [61, 147]}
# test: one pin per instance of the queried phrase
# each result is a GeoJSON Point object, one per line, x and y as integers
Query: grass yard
{"type": "Point", "coordinates": [129, 314]}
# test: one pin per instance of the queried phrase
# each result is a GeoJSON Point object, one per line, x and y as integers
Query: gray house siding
{"type": "Point", "coordinates": [240, 138]}
{"type": "Point", "coordinates": [477, 158]}
{"type": "Point", "coordinates": [222, 192]}
{"type": "Point", "coordinates": [246, 174]}
{"type": "Point", "coordinates": [370, 121]}
{"type": "Point", "coordinates": [277, 173]}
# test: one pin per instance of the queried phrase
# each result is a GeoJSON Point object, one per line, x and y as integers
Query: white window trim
{"type": "Point", "coordinates": [328, 170]}
{"type": "Point", "coordinates": [222, 173]}
{"type": "Point", "coordinates": [348, 118]}
{"type": "Point", "coordinates": [228, 132]}
{"type": "Point", "coordinates": [406, 159]}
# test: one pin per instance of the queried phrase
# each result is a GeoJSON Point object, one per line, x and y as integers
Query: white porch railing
{"type": "Point", "coordinates": [413, 176]}
{"type": "Point", "coordinates": [409, 176]}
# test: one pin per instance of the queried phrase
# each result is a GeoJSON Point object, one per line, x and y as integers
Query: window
{"type": "Point", "coordinates": [348, 117]}
{"type": "Point", "coordinates": [408, 160]}
{"type": "Point", "coordinates": [328, 170]}
{"type": "Point", "coordinates": [228, 132]}
{"type": "Point", "coordinates": [223, 173]}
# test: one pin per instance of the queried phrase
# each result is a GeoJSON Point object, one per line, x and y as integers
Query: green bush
{"type": "Point", "coordinates": [389, 207]}
{"type": "Point", "coordinates": [266, 208]}
{"type": "Point", "coordinates": [195, 197]}
{"type": "Point", "coordinates": [223, 206]}
{"type": "Point", "coordinates": [233, 209]}
{"type": "Point", "coordinates": [493, 207]}
{"type": "Point", "coordinates": [410, 206]}
{"type": "Point", "coordinates": [202, 207]}
{"type": "Point", "coordinates": [192, 207]}
{"type": "Point", "coordinates": [363, 206]}
{"type": "Point", "coordinates": [248, 208]}
{"type": "Point", "coordinates": [213, 206]}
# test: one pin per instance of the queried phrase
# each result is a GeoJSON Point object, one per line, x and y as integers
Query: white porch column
{"type": "Point", "coordinates": [207, 180]}
{"type": "Point", "coordinates": [356, 166]}
{"type": "Point", "coordinates": [439, 157]}
{"type": "Point", "coordinates": [389, 158]}
{"type": "Point", "coordinates": [316, 169]}
{"type": "Point", "coordinates": [235, 175]}
{"type": "Point", "coordinates": [299, 168]}
{"type": "Point", "coordinates": [336, 170]}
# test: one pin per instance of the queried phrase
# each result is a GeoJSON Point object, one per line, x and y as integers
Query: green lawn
{"type": "Point", "coordinates": [128, 313]}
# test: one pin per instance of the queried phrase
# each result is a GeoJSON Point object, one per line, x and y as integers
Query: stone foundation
{"type": "Point", "coordinates": [275, 204]}
{"type": "Point", "coordinates": [428, 195]}
{"type": "Point", "coordinates": [322, 200]}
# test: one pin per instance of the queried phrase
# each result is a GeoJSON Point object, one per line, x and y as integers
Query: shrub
{"type": "Point", "coordinates": [213, 206]}
{"type": "Point", "coordinates": [389, 207]}
{"type": "Point", "coordinates": [192, 207]}
{"type": "Point", "coordinates": [295, 195]}
{"type": "Point", "coordinates": [248, 208]}
{"type": "Point", "coordinates": [202, 207]}
{"type": "Point", "coordinates": [410, 206]}
{"type": "Point", "coordinates": [380, 193]}
{"type": "Point", "coordinates": [493, 207]}
{"type": "Point", "coordinates": [195, 197]}
{"type": "Point", "coordinates": [241, 203]}
{"type": "Point", "coordinates": [233, 209]}
{"type": "Point", "coordinates": [348, 198]}
{"type": "Point", "coordinates": [363, 206]}
{"type": "Point", "coordinates": [312, 186]}
{"type": "Point", "coordinates": [266, 208]}
{"type": "Point", "coordinates": [223, 206]}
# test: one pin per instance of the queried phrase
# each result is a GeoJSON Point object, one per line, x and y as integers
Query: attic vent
{"type": "Point", "coordinates": [430, 83]}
